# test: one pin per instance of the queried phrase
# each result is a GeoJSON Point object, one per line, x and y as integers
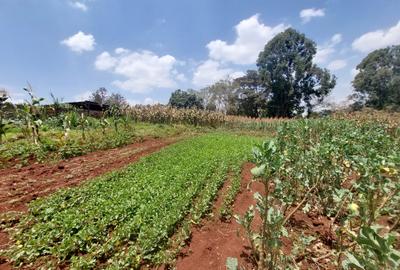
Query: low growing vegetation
{"type": "Point", "coordinates": [124, 219]}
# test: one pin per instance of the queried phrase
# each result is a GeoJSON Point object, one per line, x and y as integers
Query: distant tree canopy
{"type": "Point", "coordinates": [102, 97]}
{"type": "Point", "coordinates": [377, 84]}
{"type": "Point", "coordinates": [293, 82]}
{"type": "Point", "coordinates": [286, 83]}
{"type": "Point", "coordinates": [220, 96]}
{"type": "Point", "coordinates": [184, 99]}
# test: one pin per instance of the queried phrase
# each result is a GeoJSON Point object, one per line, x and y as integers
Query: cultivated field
{"type": "Point", "coordinates": [268, 194]}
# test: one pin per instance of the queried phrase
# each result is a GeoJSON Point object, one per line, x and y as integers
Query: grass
{"type": "Point", "coordinates": [125, 218]}
{"type": "Point", "coordinates": [53, 146]}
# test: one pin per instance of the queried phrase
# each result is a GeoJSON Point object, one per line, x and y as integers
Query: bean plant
{"type": "Point", "coordinates": [345, 170]}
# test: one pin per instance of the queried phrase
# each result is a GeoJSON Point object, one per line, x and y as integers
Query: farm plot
{"type": "Point", "coordinates": [332, 197]}
{"type": "Point", "coordinates": [125, 219]}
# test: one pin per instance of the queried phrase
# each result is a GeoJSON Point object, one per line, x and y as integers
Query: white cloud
{"type": "Point", "coordinates": [337, 64]}
{"type": "Point", "coordinates": [79, 5]}
{"type": "Point", "coordinates": [307, 14]}
{"type": "Point", "coordinates": [121, 50]}
{"type": "Point", "coordinates": [143, 70]}
{"type": "Point", "coordinates": [251, 37]}
{"type": "Point", "coordinates": [325, 51]}
{"type": "Point", "coordinates": [212, 71]}
{"type": "Point", "coordinates": [378, 39]}
{"type": "Point", "coordinates": [105, 61]}
{"type": "Point", "coordinates": [80, 42]}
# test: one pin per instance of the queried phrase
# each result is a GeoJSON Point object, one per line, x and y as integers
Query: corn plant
{"type": "Point", "coordinates": [31, 114]}
{"type": "Point", "coordinates": [3, 124]}
{"type": "Point", "coordinates": [83, 125]}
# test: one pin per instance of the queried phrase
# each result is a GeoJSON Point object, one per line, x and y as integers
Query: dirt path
{"type": "Point", "coordinates": [20, 186]}
{"type": "Point", "coordinates": [215, 241]}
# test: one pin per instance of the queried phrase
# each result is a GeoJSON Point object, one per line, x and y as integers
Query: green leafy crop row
{"type": "Point", "coordinates": [123, 219]}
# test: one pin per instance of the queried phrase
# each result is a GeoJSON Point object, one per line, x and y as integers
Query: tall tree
{"type": "Point", "coordinates": [116, 99]}
{"type": "Point", "coordinates": [99, 96]}
{"type": "Point", "coordinates": [221, 96]}
{"type": "Point", "coordinates": [251, 95]}
{"type": "Point", "coordinates": [183, 99]}
{"type": "Point", "coordinates": [286, 69]}
{"type": "Point", "coordinates": [378, 82]}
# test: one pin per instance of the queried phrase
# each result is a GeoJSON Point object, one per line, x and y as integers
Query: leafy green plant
{"type": "Point", "coordinates": [125, 218]}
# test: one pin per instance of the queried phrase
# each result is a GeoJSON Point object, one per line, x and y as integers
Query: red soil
{"type": "Point", "coordinates": [20, 186]}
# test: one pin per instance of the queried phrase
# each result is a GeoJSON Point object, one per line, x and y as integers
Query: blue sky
{"type": "Point", "coordinates": [146, 49]}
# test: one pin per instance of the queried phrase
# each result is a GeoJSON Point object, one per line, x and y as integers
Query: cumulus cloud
{"type": "Point", "coordinates": [337, 64]}
{"type": "Point", "coordinates": [80, 42]}
{"type": "Point", "coordinates": [378, 39]}
{"type": "Point", "coordinates": [325, 51]}
{"type": "Point", "coordinates": [251, 37]}
{"type": "Point", "coordinates": [79, 5]}
{"type": "Point", "coordinates": [212, 71]}
{"type": "Point", "coordinates": [307, 14]}
{"type": "Point", "coordinates": [105, 61]}
{"type": "Point", "coordinates": [142, 71]}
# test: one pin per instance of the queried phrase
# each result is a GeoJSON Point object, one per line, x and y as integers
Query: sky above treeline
{"type": "Point", "coordinates": [146, 49]}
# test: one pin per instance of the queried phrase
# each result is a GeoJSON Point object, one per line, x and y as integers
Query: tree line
{"type": "Point", "coordinates": [288, 83]}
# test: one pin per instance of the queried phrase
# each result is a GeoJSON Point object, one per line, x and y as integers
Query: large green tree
{"type": "Point", "coordinates": [287, 71]}
{"type": "Point", "coordinates": [251, 95]}
{"type": "Point", "coordinates": [378, 82]}
{"type": "Point", "coordinates": [185, 99]}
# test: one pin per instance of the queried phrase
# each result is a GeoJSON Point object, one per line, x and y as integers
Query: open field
{"type": "Point", "coordinates": [324, 194]}
{"type": "Point", "coordinates": [139, 206]}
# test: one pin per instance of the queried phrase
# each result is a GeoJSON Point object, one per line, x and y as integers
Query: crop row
{"type": "Point", "coordinates": [125, 218]}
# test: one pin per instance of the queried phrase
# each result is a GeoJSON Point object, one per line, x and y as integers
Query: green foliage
{"type": "Point", "coordinates": [67, 141]}
{"type": "Point", "coordinates": [126, 217]}
{"type": "Point", "coordinates": [378, 82]}
{"type": "Point", "coordinates": [344, 169]}
{"type": "Point", "coordinates": [377, 252]}
{"type": "Point", "coordinates": [225, 211]}
{"type": "Point", "coordinates": [252, 96]}
{"type": "Point", "coordinates": [4, 125]}
{"type": "Point", "coordinates": [30, 114]}
{"type": "Point", "coordinates": [184, 100]}
{"type": "Point", "coordinates": [286, 68]}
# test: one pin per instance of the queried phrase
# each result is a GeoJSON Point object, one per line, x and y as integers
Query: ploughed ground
{"type": "Point", "coordinates": [20, 186]}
